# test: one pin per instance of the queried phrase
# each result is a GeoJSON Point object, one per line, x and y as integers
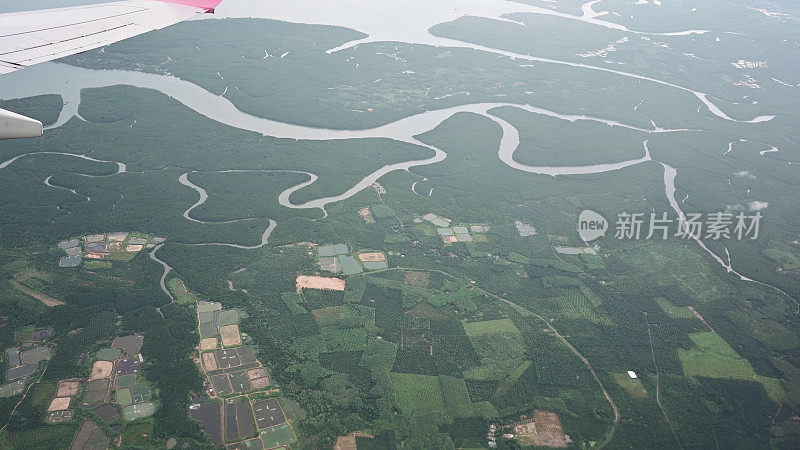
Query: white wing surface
{"type": "Point", "coordinates": [32, 37]}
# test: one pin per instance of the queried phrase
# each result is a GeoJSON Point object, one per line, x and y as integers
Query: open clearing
{"type": "Point", "coordinates": [372, 256]}
{"type": "Point", "coordinates": [109, 354]}
{"type": "Point", "coordinates": [209, 362]}
{"type": "Point", "coordinates": [714, 358]}
{"type": "Point", "coordinates": [44, 298]}
{"type": "Point", "coordinates": [490, 326]}
{"type": "Point", "coordinates": [323, 283]}
{"type": "Point", "coordinates": [101, 370]}
{"type": "Point", "coordinates": [208, 344]}
{"type": "Point", "coordinates": [126, 381]}
{"type": "Point", "coordinates": [59, 404]}
{"type": "Point", "coordinates": [230, 336]}
{"type": "Point", "coordinates": [417, 394]}
{"type": "Point", "coordinates": [634, 386]}
{"type": "Point", "coordinates": [178, 289]}
{"type": "Point", "coordinates": [544, 429]}
{"type": "Point", "coordinates": [68, 388]}
{"type": "Point", "coordinates": [124, 397]}
{"type": "Point", "coordinates": [678, 312]}
{"type": "Point", "coordinates": [417, 279]}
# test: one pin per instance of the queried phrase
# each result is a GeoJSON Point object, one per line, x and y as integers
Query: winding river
{"type": "Point", "coordinates": [68, 81]}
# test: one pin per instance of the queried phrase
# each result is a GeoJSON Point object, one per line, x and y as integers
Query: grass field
{"type": "Point", "coordinates": [517, 258]}
{"type": "Point", "coordinates": [714, 358]}
{"type": "Point", "coordinates": [178, 289]}
{"type": "Point", "coordinates": [775, 389]}
{"type": "Point", "coordinates": [678, 312]}
{"type": "Point", "coordinates": [126, 381]}
{"type": "Point", "coordinates": [416, 394]}
{"type": "Point", "coordinates": [574, 305]}
{"type": "Point", "coordinates": [228, 317]}
{"type": "Point", "coordinates": [490, 326]}
{"type": "Point", "coordinates": [137, 434]}
{"type": "Point", "coordinates": [278, 436]}
{"type": "Point", "coordinates": [109, 354]}
{"type": "Point", "coordinates": [457, 402]}
{"type": "Point", "coordinates": [634, 386]}
{"type": "Point", "coordinates": [382, 211]}
{"type": "Point", "coordinates": [124, 397]}
{"type": "Point", "coordinates": [95, 265]}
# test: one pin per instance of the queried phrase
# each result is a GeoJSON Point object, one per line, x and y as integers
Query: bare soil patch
{"type": "Point", "coordinates": [209, 362]}
{"type": "Point", "coordinates": [42, 297]}
{"type": "Point", "coordinates": [372, 256]}
{"type": "Point", "coordinates": [68, 388]}
{"type": "Point", "coordinates": [59, 404]}
{"type": "Point", "coordinates": [101, 369]}
{"type": "Point", "coordinates": [315, 282]}
{"type": "Point", "coordinates": [230, 335]}
{"type": "Point", "coordinates": [544, 429]}
{"type": "Point", "coordinates": [208, 344]}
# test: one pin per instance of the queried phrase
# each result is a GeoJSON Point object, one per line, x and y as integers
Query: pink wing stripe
{"type": "Point", "coordinates": [204, 4]}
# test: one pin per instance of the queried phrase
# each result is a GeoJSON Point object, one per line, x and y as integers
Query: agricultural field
{"type": "Point", "coordinates": [712, 357]}
{"type": "Point", "coordinates": [180, 292]}
{"type": "Point", "coordinates": [416, 394]}
{"type": "Point", "coordinates": [634, 386]}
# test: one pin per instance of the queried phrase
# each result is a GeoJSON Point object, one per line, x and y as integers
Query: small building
{"type": "Point", "coordinates": [632, 374]}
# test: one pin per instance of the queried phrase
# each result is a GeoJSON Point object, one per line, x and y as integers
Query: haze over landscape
{"type": "Point", "coordinates": [409, 224]}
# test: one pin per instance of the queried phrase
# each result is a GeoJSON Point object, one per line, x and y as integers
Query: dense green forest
{"type": "Point", "coordinates": [619, 343]}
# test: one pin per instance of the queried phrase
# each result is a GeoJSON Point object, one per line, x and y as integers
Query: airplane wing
{"type": "Point", "coordinates": [32, 37]}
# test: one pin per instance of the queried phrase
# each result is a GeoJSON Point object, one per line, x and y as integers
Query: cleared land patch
{"type": "Point", "coordinates": [139, 410]}
{"type": "Point", "coordinates": [59, 404]}
{"type": "Point", "coordinates": [490, 326]}
{"type": "Point", "coordinates": [68, 388]}
{"type": "Point", "coordinates": [714, 358]}
{"type": "Point", "coordinates": [372, 256]}
{"type": "Point", "coordinates": [178, 289]}
{"type": "Point", "coordinates": [109, 354]}
{"type": "Point", "coordinates": [544, 429]}
{"type": "Point", "coordinates": [101, 370]}
{"type": "Point", "coordinates": [230, 335]}
{"type": "Point", "coordinates": [323, 283]}
{"type": "Point", "coordinates": [678, 312]}
{"type": "Point", "coordinates": [417, 279]}
{"type": "Point", "coordinates": [417, 394]}
{"type": "Point", "coordinates": [634, 386]}
{"type": "Point", "coordinates": [42, 297]}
